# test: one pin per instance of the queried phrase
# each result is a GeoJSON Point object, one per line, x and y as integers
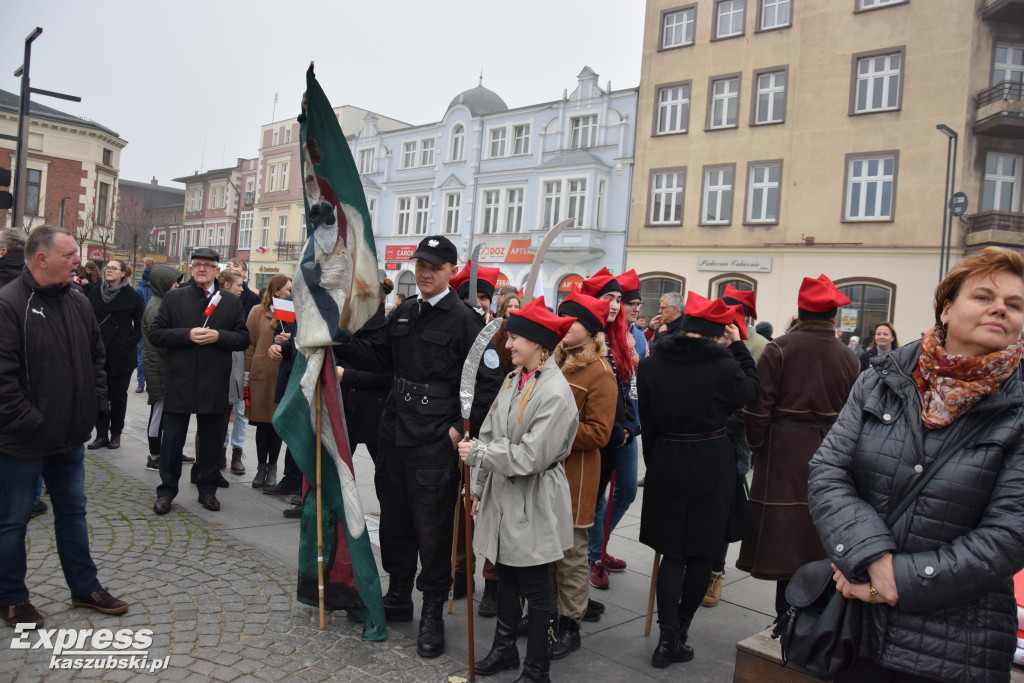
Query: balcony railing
{"type": "Point", "coordinates": [1009, 11]}
{"type": "Point", "coordinates": [1003, 221]}
{"type": "Point", "coordinates": [1004, 90]}
{"type": "Point", "coordinates": [288, 251]}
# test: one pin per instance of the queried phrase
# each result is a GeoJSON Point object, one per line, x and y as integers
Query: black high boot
{"type": "Point", "coordinates": [261, 472]}
{"type": "Point", "coordinates": [398, 601]}
{"type": "Point", "coordinates": [672, 647]}
{"type": "Point", "coordinates": [504, 653]}
{"type": "Point", "coordinates": [684, 630]}
{"type": "Point", "coordinates": [430, 642]}
{"type": "Point", "coordinates": [537, 665]}
{"type": "Point", "coordinates": [568, 638]}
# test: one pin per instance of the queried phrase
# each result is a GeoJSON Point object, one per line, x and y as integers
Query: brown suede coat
{"type": "Point", "coordinates": [262, 371]}
{"type": "Point", "coordinates": [806, 375]}
{"type": "Point", "coordinates": [593, 386]}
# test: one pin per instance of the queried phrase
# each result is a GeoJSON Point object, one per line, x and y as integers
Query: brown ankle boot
{"type": "Point", "coordinates": [236, 461]}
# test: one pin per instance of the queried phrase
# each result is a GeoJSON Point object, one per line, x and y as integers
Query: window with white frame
{"type": "Point", "coordinates": [763, 182]}
{"type": "Point", "coordinates": [872, 4]}
{"type": "Point", "coordinates": [775, 14]}
{"type": "Point", "coordinates": [265, 232]}
{"type": "Point", "coordinates": [452, 212]}
{"type": "Point", "coordinates": [103, 206]}
{"type": "Point", "coordinates": [514, 209]}
{"type": "Point", "coordinates": [729, 18]}
{"type": "Point", "coordinates": [209, 237]}
{"type": "Point", "coordinates": [221, 233]}
{"type": "Point", "coordinates": [217, 197]}
{"type": "Point", "coordinates": [277, 176]}
{"type": "Point", "coordinates": [521, 139]}
{"type": "Point", "coordinates": [161, 240]}
{"type": "Point", "coordinates": [288, 135]}
{"type": "Point", "coordinates": [716, 201]}
{"type": "Point", "coordinates": [577, 202]}
{"type": "Point", "coordinates": [602, 190]}
{"type": "Point", "coordinates": [367, 160]}
{"type": "Point", "coordinates": [677, 27]}
{"type": "Point", "coordinates": [371, 208]}
{"type": "Point", "coordinates": [878, 82]}
{"type": "Point", "coordinates": [491, 212]}
{"type": "Point", "coordinates": [409, 154]}
{"type": "Point", "coordinates": [282, 228]}
{"type": "Point", "coordinates": [552, 202]}
{"type": "Point", "coordinates": [1002, 186]}
{"type": "Point", "coordinates": [427, 152]}
{"type": "Point", "coordinates": [499, 137]}
{"type": "Point", "coordinates": [1008, 64]}
{"type": "Point", "coordinates": [245, 230]}
{"type": "Point", "coordinates": [870, 187]}
{"type": "Point", "coordinates": [403, 215]}
{"type": "Point", "coordinates": [422, 214]}
{"type": "Point", "coordinates": [584, 132]}
{"type": "Point", "coordinates": [666, 200]}
{"type": "Point", "coordinates": [673, 108]}
{"type": "Point", "coordinates": [725, 102]}
{"type": "Point", "coordinates": [195, 199]}
{"type": "Point", "coordinates": [172, 245]}
{"type": "Point", "coordinates": [33, 191]}
{"type": "Point", "coordinates": [770, 97]}
{"type": "Point", "coordinates": [458, 143]}
{"type": "Point", "coordinates": [272, 178]}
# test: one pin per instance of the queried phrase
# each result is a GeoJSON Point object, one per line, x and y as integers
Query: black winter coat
{"type": "Point", "coordinates": [198, 376]}
{"type": "Point", "coordinates": [364, 392]}
{"type": "Point", "coordinates": [52, 382]}
{"type": "Point", "coordinates": [690, 385]}
{"type": "Point", "coordinates": [958, 546]}
{"type": "Point", "coordinates": [427, 348]}
{"type": "Point", "coordinates": [11, 265]}
{"type": "Point", "coordinates": [121, 326]}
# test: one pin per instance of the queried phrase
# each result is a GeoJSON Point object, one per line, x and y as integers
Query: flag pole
{"type": "Point", "coordinates": [455, 546]}
{"type": "Point", "coordinates": [319, 507]}
{"type": "Point", "coordinates": [469, 559]}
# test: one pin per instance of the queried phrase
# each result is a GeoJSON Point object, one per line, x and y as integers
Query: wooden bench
{"type": "Point", "coordinates": [758, 660]}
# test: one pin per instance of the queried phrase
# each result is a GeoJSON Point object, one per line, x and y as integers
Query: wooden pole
{"type": "Point", "coordinates": [650, 598]}
{"type": "Point", "coordinates": [469, 558]}
{"type": "Point", "coordinates": [319, 507]}
{"type": "Point", "coordinates": [455, 548]}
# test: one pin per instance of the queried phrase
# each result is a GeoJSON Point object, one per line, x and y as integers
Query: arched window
{"type": "Point", "coordinates": [871, 301]}
{"type": "Point", "coordinates": [653, 286]}
{"type": "Point", "coordinates": [458, 143]}
{"type": "Point", "coordinates": [406, 283]}
{"type": "Point", "coordinates": [716, 287]}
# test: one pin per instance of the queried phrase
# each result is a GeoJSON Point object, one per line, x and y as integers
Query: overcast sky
{"type": "Point", "coordinates": [176, 78]}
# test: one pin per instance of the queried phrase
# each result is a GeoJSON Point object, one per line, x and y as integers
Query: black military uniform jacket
{"type": "Point", "coordinates": [425, 351]}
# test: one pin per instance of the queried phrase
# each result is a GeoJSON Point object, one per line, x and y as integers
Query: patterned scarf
{"type": "Point", "coordinates": [950, 384]}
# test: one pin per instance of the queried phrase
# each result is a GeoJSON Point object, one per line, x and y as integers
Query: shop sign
{"type": "Point", "coordinates": [570, 282]}
{"type": "Point", "coordinates": [737, 264]}
{"type": "Point", "coordinates": [848, 319]}
{"type": "Point", "coordinates": [516, 251]}
{"type": "Point", "coordinates": [97, 254]}
{"type": "Point", "coordinates": [399, 252]}
{"type": "Point", "coordinates": [270, 269]}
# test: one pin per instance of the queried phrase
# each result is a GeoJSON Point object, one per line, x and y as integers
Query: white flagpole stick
{"type": "Point", "coordinates": [319, 507]}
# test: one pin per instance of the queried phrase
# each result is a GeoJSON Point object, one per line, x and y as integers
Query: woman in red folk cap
{"type": "Point", "coordinates": [581, 356]}
{"type": "Point", "coordinates": [691, 471]}
{"type": "Point", "coordinates": [806, 375]}
{"type": "Point", "coordinates": [520, 491]}
{"type": "Point", "coordinates": [618, 455]}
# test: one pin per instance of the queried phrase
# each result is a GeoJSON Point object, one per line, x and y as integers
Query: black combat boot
{"type": "Point", "coordinates": [430, 642]}
{"type": "Point", "coordinates": [568, 638]}
{"type": "Point", "coordinates": [398, 601]}
{"type": "Point", "coordinates": [504, 653]}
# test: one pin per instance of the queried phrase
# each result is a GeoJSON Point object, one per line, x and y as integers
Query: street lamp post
{"type": "Point", "coordinates": [946, 244]}
{"type": "Point", "coordinates": [64, 199]}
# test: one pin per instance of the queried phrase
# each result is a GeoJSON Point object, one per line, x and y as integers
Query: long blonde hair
{"type": "Point", "coordinates": [514, 377]}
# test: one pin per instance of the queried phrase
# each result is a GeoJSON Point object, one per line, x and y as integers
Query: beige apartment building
{"type": "Point", "coordinates": [778, 139]}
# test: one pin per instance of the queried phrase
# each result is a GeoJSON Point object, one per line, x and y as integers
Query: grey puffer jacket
{"type": "Point", "coordinates": [956, 549]}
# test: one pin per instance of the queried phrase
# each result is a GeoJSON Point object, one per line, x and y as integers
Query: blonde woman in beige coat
{"type": "Point", "coordinates": [520, 491]}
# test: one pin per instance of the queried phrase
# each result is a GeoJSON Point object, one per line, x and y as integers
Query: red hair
{"type": "Point", "coordinates": [616, 333]}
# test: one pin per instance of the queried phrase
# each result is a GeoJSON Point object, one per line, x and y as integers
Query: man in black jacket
{"type": "Point", "coordinates": [424, 343]}
{"type": "Point", "coordinates": [12, 254]}
{"type": "Point", "coordinates": [199, 335]}
{"type": "Point", "coordinates": [52, 386]}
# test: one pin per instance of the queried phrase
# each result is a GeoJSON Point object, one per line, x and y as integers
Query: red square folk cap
{"type": "Point", "coordinates": [818, 295]}
{"type": "Point", "coordinates": [630, 283]}
{"type": "Point", "coordinates": [486, 279]}
{"type": "Point", "coordinates": [600, 283]}
{"type": "Point", "coordinates": [747, 299]}
{"type": "Point", "coordinates": [703, 316]}
{"type": "Point", "coordinates": [592, 313]}
{"type": "Point", "coordinates": [535, 322]}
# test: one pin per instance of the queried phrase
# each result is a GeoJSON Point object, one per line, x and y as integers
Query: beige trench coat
{"type": "Point", "coordinates": [525, 513]}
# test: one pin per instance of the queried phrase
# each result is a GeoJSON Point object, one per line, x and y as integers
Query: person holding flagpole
{"type": "Point", "coordinates": [200, 327]}
{"type": "Point", "coordinates": [424, 345]}
{"type": "Point", "coordinates": [264, 326]}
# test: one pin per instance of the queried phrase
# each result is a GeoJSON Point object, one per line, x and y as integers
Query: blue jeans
{"type": "Point", "coordinates": [64, 474]}
{"type": "Point", "coordinates": [623, 496]}
{"type": "Point", "coordinates": [140, 376]}
{"type": "Point", "coordinates": [238, 425]}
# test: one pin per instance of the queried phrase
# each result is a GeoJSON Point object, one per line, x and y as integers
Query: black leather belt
{"type": "Point", "coordinates": [404, 386]}
{"type": "Point", "coordinates": [806, 425]}
{"type": "Point", "coordinates": [668, 436]}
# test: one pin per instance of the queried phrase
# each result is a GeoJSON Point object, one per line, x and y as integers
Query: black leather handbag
{"type": "Point", "coordinates": [821, 631]}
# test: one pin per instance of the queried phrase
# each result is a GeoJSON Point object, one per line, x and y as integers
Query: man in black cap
{"type": "Point", "coordinates": [424, 345]}
{"type": "Point", "coordinates": [200, 326]}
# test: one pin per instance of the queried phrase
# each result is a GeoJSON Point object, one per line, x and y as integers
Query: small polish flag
{"type": "Point", "coordinates": [262, 250]}
{"type": "Point", "coordinates": [153, 231]}
{"type": "Point", "coordinates": [284, 310]}
{"type": "Point", "coordinates": [214, 300]}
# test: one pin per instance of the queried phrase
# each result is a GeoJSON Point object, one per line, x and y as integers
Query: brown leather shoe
{"type": "Point", "coordinates": [162, 505]}
{"type": "Point", "coordinates": [236, 461]}
{"type": "Point", "coordinates": [210, 502]}
{"type": "Point", "coordinates": [101, 601]}
{"type": "Point", "coordinates": [22, 613]}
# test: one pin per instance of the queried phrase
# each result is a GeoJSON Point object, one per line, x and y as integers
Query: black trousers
{"type": "Point", "coordinates": [533, 583]}
{"type": "Point", "coordinates": [117, 393]}
{"type": "Point", "coordinates": [154, 441]}
{"type": "Point", "coordinates": [682, 584]}
{"type": "Point", "coordinates": [416, 487]}
{"type": "Point", "coordinates": [206, 467]}
{"type": "Point", "coordinates": [292, 473]}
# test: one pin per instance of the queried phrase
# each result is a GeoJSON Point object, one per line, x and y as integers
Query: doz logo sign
{"type": "Point", "coordinates": [516, 251]}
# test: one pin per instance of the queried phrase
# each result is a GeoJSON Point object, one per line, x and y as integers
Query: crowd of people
{"type": "Point", "coordinates": [835, 434]}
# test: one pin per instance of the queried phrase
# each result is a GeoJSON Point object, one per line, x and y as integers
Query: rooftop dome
{"type": "Point", "coordinates": [480, 101]}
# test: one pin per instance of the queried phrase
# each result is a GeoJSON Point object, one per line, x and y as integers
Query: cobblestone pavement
{"type": "Point", "coordinates": [219, 609]}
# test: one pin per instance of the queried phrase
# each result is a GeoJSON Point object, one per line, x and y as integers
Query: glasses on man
{"type": "Point", "coordinates": [636, 305]}
{"type": "Point", "coordinates": [204, 266]}
{"type": "Point", "coordinates": [663, 307]}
